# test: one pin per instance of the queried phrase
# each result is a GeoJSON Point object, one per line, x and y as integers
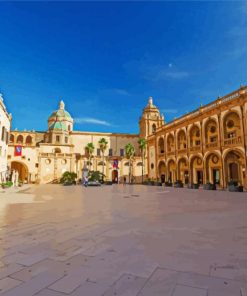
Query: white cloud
{"type": "Point", "coordinates": [91, 121]}
{"type": "Point", "coordinates": [121, 91]}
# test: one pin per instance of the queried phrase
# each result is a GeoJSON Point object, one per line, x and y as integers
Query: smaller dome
{"type": "Point", "coordinates": [150, 106]}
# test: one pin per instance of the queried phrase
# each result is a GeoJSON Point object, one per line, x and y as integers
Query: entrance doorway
{"type": "Point", "coordinates": [22, 170]}
{"type": "Point", "coordinates": [162, 178]}
{"type": "Point", "coordinates": [186, 177]}
{"type": "Point", "coordinates": [216, 176]}
{"type": "Point", "coordinates": [199, 175]}
{"type": "Point", "coordinates": [233, 171]}
{"type": "Point", "coordinates": [114, 176]}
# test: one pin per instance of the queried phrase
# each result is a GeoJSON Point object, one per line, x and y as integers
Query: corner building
{"type": "Point", "coordinates": [206, 145]}
{"type": "Point", "coordinates": [5, 122]}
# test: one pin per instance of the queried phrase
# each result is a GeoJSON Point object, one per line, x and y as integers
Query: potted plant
{"type": "Point", "coordinates": [178, 184]}
{"type": "Point", "coordinates": [157, 182]}
{"type": "Point", "coordinates": [195, 186]}
{"type": "Point", "coordinates": [68, 178]}
{"type": "Point", "coordinates": [233, 186]}
{"type": "Point", "coordinates": [209, 186]}
{"type": "Point", "coordinates": [168, 184]}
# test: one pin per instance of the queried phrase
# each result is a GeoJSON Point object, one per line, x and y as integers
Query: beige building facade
{"type": "Point", "coordinates": [45, 156]}
{"type": "Point", "coordinates": [206, 145]}
{"type": "Point", "coordinates": [5, 122]}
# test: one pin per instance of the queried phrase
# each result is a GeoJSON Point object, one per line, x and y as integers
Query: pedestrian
{"type": "Point", "coordinates": [85, 181]}
{"type": "Point", "coordinates": [124, 181]}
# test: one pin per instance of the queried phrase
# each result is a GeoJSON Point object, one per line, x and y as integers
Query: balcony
{"type": "Point", "coordinates": [233, 141]}
{"type": "Point", "coordinates": [196, 148]}
{"type": "Point", "coordinates": [212, 145]}
{"type": "Point", "coordinates": [170, 153]}
{"type": "Point", "coordinates": [63, 155]}
{"type": "Point", "coordinates": [182, 151]}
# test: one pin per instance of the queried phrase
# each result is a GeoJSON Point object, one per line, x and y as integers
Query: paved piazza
{"type": "Point", "coordinates": [122, 240]}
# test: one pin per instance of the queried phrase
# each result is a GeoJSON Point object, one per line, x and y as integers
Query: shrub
{"type": "Point", "coordinates": [96, 176]}
{"type": "Point", "coordinates": [68, 177]}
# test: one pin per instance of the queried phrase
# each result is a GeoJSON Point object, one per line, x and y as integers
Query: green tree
{"type": "Point", "coordinates": [90, 150]}
{"type": "Point", "coordinates": [129, 152]}
{"type": "Point", "coordinates": [103, 145]}
{"type": "Point", "coordinates": [142, 146]}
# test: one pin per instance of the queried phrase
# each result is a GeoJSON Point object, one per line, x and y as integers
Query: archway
{"type": "Point", "coordinates": [232, 128]}
{"type": "Point", "coordinates": [234, 167]}
{"type": "Point", "coordinates": [171, 171]}
{"type": "Point", "coordinates": [195, 136]}
{"type": "Point", "coordinates": [196, 170]}
{"type": "Point", "coordinates": [22, 170]}
{"type": "Point", "coordinates": [181, 140]}
{"type": "Point", "coordinates": [170, 143]}
{"type": "Point", "coordinates": [211, 133]}
{"type": "Point", "coordinates": [183, 170]}
{"type": "Point", "coordinates": [213, 167]}
{"type": "Point", "coordinates": [161, 144]}
{"type": "Point", "coordinates": [115, 176]}
{"type": "Point", "coordinates": [162, 171]}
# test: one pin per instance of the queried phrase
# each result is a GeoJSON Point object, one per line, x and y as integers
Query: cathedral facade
{"type": "Point", "coordinates": [42, 157]}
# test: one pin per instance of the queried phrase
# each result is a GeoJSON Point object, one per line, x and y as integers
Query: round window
{"type": "Point", "coordinates": [47, 161]}
{"type": "Point", "coordinates": [230, 123]}
{"type": "Point", "coordinates": [213, 129]}
{"type": "Point", "coordinates": [64, 161]}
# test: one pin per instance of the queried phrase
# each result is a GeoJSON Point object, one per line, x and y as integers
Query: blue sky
{"type": "Point", "coordinates": [105, 59]}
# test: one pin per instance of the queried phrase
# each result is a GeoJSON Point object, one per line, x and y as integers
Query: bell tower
{"type": "Point", "coordinates": [150, 120]}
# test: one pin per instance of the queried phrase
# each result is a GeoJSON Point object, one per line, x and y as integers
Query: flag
{"type": "Point", "coordinates": [18, 150]}
{"type": "Point", "coordinates": [115, 164]}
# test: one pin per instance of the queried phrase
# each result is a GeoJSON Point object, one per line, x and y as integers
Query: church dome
{"type": "Point", "coordinates": [60, 119]}
{"type": "Point", "coordinates": [60, 113]}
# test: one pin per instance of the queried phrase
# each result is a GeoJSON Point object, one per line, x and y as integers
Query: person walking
{"type": "Point", "coordinates": [86, 181]}
{"type": "Point", "coordinates": [124, 181]}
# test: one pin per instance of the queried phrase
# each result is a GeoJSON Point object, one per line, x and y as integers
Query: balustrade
{"type": "Point", "coordinates": [233, 141]}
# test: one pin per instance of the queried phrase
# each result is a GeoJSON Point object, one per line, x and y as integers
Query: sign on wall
{"type": "Point", "coordinates": [18, 150]}
{"type": "Point", "coordinates": [115, 163]}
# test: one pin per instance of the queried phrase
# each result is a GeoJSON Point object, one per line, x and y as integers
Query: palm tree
{"type": "Point", "coordinates": [90, 150]}
{"type": "Point", "coordinates": [129, 152]}
{"type": "Point", "coordinates": [142, 146]}
{"type": "Point", "coordinates": [103, 145]}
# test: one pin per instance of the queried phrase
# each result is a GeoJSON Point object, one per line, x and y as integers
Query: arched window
{"type": "Point", "coordinates": [19, 139]}
{"type": "Point", "coordinates": [28, 140]}
{"type": "Point", "coordinates": [232, 127]}
{"type": "Point", "coordinates": [154, 128]}
{"type": "Point", "coordinates": [12, 138]}
{"type": "Point", "coordinates": [181, 140]}
{"type": "Point", "coordinates": [170, 143]}
{"type": "Point", "coordinates": [57, 150]}
{"type": "Point", "coordinates": [161, 145]}
{"type": "Point", "coordinates": [195, 139]}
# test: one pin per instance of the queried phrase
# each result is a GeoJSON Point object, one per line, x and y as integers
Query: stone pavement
{"type": "Point", "coordinates": [122, 240]}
